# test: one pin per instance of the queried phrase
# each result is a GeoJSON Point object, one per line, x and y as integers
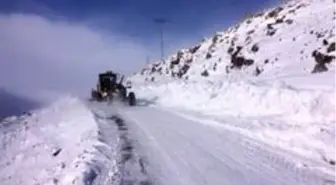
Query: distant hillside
{"type": "Point", "coordinates": [11, 104]}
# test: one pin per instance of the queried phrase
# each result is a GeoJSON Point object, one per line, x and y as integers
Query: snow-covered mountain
{"type": "Point", "coordinates": [296, 38]}
{"type": "Point", "coordinates": [278, 64]}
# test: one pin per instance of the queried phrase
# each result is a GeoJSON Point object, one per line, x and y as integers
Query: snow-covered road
{"type": "Point", "coordinates": [177, 150]}
{"type": "Point", "coordinates": [79, 143]}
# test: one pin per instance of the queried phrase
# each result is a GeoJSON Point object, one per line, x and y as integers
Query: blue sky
{"type": "Point", "coordinates": [52, 47]}
{"type": "Point", "coordinates": [192, 19]}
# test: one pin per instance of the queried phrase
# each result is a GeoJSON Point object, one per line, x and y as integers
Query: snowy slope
{"type": "Point", "coordinates": [59, 144]}
{"type": "Point", "coordinates": [270, 77]}
{"type": "Point", "coordinates": [294, 39]}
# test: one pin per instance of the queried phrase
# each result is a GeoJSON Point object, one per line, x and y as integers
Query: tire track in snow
{"type": "Point", "coordinates": [118, 162]}
{"type": "Point", "coordinates": [102, 168]}
{"type": "Point", "coordinates": [131, 166]}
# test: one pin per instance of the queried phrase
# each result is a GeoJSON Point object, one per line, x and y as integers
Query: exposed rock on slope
{"type": "Point", "coordinates": [296, 38]}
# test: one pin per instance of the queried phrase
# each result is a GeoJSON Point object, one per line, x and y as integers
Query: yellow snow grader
{"type": "Point", "coordinates": [109, 89]}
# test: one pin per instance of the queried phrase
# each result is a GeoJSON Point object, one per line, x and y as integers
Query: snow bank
{"type": "Point", "coordinates": [244, 99]}
{"type": "Point", "coordinates": [54, 145]}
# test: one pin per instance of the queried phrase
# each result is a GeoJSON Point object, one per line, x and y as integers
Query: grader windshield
{"type": "Point", "coordinates": [107, 81]}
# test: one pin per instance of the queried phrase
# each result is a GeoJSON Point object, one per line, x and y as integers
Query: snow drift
{"type": "Point", "coordinates": [54, 145]}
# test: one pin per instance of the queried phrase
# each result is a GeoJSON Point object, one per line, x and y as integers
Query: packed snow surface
{"type": "Point", "coordinates": [183, 149]}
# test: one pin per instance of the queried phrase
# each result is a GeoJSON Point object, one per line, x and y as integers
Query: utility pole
{"type": "Point", "coordinates": [161, 23]}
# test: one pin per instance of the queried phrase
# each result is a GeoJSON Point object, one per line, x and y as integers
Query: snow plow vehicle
{"type": "Point", "coordinates": [109, 89]}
